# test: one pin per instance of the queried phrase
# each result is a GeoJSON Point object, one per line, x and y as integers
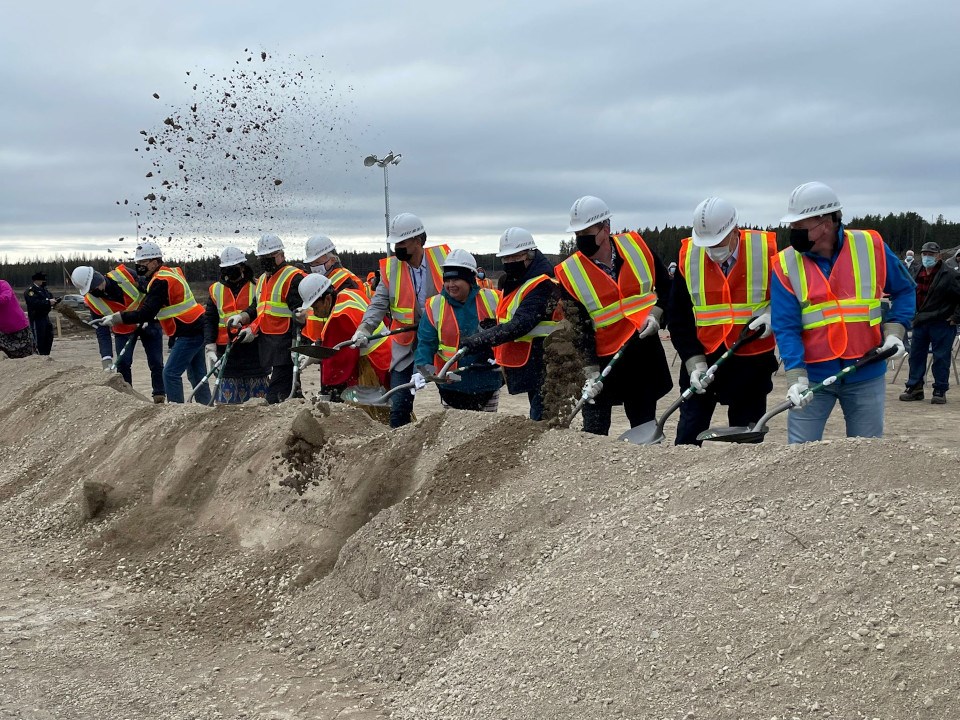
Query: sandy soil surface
{"type": "Point", "coordinates": [302, 561]}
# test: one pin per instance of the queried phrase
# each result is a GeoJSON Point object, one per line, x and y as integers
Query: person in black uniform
{"type": "Point", "coordinates": [40, 302]}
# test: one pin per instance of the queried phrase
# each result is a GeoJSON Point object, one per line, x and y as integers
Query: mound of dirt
{"type": "Point", "coordinates": [484, 566]}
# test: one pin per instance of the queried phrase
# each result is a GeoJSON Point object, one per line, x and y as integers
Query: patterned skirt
{"type": "Point", "coordinates": [18, 344]}
{"type": "Point", "coordinates": [234, 391]}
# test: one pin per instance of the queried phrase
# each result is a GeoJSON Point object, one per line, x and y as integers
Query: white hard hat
{"type": "Point", "coordinates": [318, 246]}
{"type": "Point", "coordinates": [811, 199]}
{"type": "Point", "coordinates": [713, 220]}
{"type": "Point", "coordinates": [587, 211]}
{"type": "Point", "coordinates": [312, 288]}
{"type": "Point", "coordinates": [403, 226]}
{"type": "Point", "coordinates": [268, 244]}
{"type": "Point", "coordinates": [82, 278]}
{"type": "Point", "coordinates": [514, 240]}
{"type": "Point", "coordinates": [231, 256]}
{"type": "Point", "coordinates": [147, 250]}
{"type": "Point", "coordinates": [460, 258]}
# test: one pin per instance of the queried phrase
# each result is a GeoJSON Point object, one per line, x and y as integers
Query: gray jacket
{"type": "Point", "coordinates": [379, 306]}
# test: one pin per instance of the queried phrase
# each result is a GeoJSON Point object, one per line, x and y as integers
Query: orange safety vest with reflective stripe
{"type": "Point", "coordinates": [441, 316]}
{"type": "Point", "coordinates": [128, 285]}
{"type": "Point", "coordinates": [617, 309]}
{"type": "Point", "coordinates": [339, 276]}
{"type": "Point", "coordinates": [353, 305]}
{"type": "Point", "coordinates": [722, 305]}
{"type": "Point", "coordinates": [516, 353]}
{"type": "Point", "coordinates": [403, 295]}
{"type": "Point", "coordinates": [840, 316]}
{"type": "Point", "coordinates": [229, 304]}
{"type": "Point", "coordinates": [273, 314]}
{"type": "Point", "coordinates": [181, 304]}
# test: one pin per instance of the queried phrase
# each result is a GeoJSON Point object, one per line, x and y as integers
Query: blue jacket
{"type": "Point", "coordinates": [787, 326]}
{"type": "Point", "coordinates": [428, 341]}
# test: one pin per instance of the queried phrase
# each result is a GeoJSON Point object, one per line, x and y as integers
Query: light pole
{"type": "Point", "coordinates": [390, 159]}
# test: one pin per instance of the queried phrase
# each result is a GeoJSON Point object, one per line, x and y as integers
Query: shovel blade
{"type": "Point", "coordinates": [648, 433]}
{"type": "Point", "coordinates": [314, 351]}
{"type": "Point", "coordinates": [364, 395]}
{"type": "Point", "coordinates": [739, 434]}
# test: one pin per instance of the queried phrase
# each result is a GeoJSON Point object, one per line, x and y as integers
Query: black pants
{"type": "Point", "coordinates": [742, 383]}
{"type": "Point", "coordinates": [596, 417]}
{"type": "Point", "coordinates": [281, 380]}
{"type": "Point", "coordinates": [466, 401]}
{"type": "Point", "coordinates": [42, 335]}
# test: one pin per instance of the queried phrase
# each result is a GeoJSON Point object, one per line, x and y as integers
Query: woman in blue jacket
{"type": "Point", "coordinates": [460, 310]}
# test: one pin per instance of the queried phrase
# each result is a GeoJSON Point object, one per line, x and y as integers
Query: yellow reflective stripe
{"type": "Point", "coordinates": [863, 256]}
{"type": "Point", "coordinates": [693, 273]}
{"type": "Point", "coordinates": [435, 257]}
{"type": "Point", "coordinates": [581, 284]}
{"type": "Point", "coordinates": [374, 344]}
{"type": "Point", "coordinates": [637, 303]}
{"type": "Point", "coordinates": [437, 307]}
{"type": "Point", "coordinates": [758, 265]}
{"type": "Point", "coordinates": [172, 311]}
{"type": "Point", "coordinates": [275, 304]}
{"type": "Point", "coordinates": [99, 305]}
{"type": "Point", "coordinates": [542, 329]}
{"type": "Point", "coordinates": [490, 300]}
{"type": "Point", "coordinates": [635, 258]}
{"type": "Point", "coordinates": [129, 289]}
{"type": "Point", "coordinates": [402, 315]}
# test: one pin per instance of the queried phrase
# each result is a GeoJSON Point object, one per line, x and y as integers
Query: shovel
{"type": "Point", "coordinates": [755, 433]}
{"type": "Point", "coordinates": [295, 358]}
{"type": "Point", "coordinates": [222, 366]}
{"type": "Point", "coordinates": [583, 398]}
{"type": "Point", "coordinates": [359, 395]}
{"type": "Point", "coordinates": [70, 314]}
{"type": "Point", "coordinates": [322, 353]}
{"type": "Point", "coordinates": [650, 432]}
{"type": "Point", "coordinates": [128, 345]}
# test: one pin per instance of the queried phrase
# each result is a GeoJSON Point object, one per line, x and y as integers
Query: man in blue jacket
{"type": "Point", "coordinates": [835, 273]}
{"type": "Point", "coordinates": [461, 309]}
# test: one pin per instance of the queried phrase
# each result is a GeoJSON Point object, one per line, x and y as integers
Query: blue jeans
{"type": "Point", "coordinates": [536, 403]}
{"type": "Point", "coordinates": [937, 336]}
{"type": "Point", "coordinates": [401, 404]}
{"type": "Point", "coordinates": [186, 354]}
{"type": "Point", "coordinates": [151, 338]}
{"type": "Point", "coordinates": [862, 404]}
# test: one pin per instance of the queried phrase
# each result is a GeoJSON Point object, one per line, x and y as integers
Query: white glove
{"type": "Point", "coordinates": [246, 336]}
{"type": "Point", "coordinates": [238, 320]}
{"type": "Point", "coordinates": [419, 383]}
{"type": "Point", "coordinates": [302, 314]}
{"type": "Point", "coordinates": [761, 320]}
{"type": "Point", "coordinates": [210, 355]}
{"type": "Point", "coordinates": [114, 319]}
{"type": "Point", "coordinates": [798, 393]}
{"type": "Point", "coordinates": [891, 341]}
{"type": "Point", "coordinates": [360, 340]}
{"type": "Point", "coordinates": [699, 379]}
{"type": "Point", "coordinates": [106, 361]}
{"type": "Point", "coordinates": [650, 327]}
{"type": "Point", "coordinates": [594, 385]}
{"type": "Point", "coordinates": [305, 361]}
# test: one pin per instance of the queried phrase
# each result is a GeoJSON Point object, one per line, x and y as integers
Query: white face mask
{"type": "Point", "coordinates": [321, 269]}
{"type": "Point", "coordinates": [720, 253]}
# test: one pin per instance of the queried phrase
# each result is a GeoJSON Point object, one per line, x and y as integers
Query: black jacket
{"type": "Point", "coordinates": [535, 307]}
{"type": "Point", "coordinates": [38, 303]}
{"type": "Point", "coordinates": [642, 371]}
{"type": "Point", "coordinates": [244, 360]}
{"type": "Point", "coordinates": [943, 297]}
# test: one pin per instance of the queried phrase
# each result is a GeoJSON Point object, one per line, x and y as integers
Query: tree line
{"type": "Point", "coordinates": [902, 231]}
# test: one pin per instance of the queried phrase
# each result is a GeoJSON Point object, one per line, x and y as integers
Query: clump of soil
{"type": "Point", "coordinates": [564, 376]}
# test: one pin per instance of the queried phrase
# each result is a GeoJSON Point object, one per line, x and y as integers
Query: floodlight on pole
{"type": "Point", "coordinates": [390, 159]}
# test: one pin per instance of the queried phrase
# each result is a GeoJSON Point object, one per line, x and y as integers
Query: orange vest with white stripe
{"type": "Point", "coordinates": [617, 309]}
{"type": "Point", "coordinates": [273, 313]}
{"type": "Point", "coordinates": [516, 353]}
{"type": "Point", "coordinates": [131, 291]}
{"type": "Point", "coordinates": [353, 305]}
{"type": "Point", "coordinates": [229, 304]}
{"type": "Point", "coordinates": [181, 304]}
{"type": "Point", "coordinates": [441, 316]}
{"type": "Point", "coordinates": [840, 316]}
{"type": "Point", "coordinates": [723, 305]}
{"type": "Point", "coordinates": [403, 294]}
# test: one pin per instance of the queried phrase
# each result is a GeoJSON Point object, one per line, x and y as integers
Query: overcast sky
{"type": "Point", "coordinates": [505, 113]}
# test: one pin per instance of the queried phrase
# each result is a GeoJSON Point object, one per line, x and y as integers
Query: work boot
{"type": "Point", "coordinates": [939, 397]}
{"type": "Point", "coordinates": [913, 392]}
{"type": "Point", "coordinates": [158, 399]}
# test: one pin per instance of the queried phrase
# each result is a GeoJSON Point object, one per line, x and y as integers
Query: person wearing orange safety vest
{"type": "Point", "coordinates": [483, 282]}
{"type": "Point", "coordinates": [320, 257]}
{"type": "Point", "coordinates": [721, 286]}
{"type": "Point", "coordinates": [407, 278]}
{"type": "Point", "coordinates": [342, 312]}
{"type": "Point", "coordinates": [526, 315]}
{"type": "Point", "coordinates": [119, 290]}
{"type": "Point", "coordinates": [460, 310]}
{"type": "Point", "coordinates": [244, 376]}
{"type": "Point", "coordinates": [271, 317]}
{"type": "Point", "coordinates": [170, 300]}
{"type": "Point", "coordinates": [614, 289]}
{"type": "Point", "coordinates": [826, 313]}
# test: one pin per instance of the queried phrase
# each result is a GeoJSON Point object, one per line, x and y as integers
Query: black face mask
{"type": "Point", "coordinates": [800, 240]}
{"type": "Point", "coordinates": [401, 253]}
{"type": "Point", "coordinates": [588, 245]}
{"type": "Point", "coordinates": [230, 276]}
{"type": "Point", "coordinates": [268, 264]}
{"type": "Point", "coordinates": [142, 270]}
{"type": "Point", "coordinates": [515, 269]}
{"type": "Point", "coordinates": [97, 292]}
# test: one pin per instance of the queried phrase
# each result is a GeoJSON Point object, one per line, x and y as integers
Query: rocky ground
{"type": "Point", "coordinates": [302, 561]}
